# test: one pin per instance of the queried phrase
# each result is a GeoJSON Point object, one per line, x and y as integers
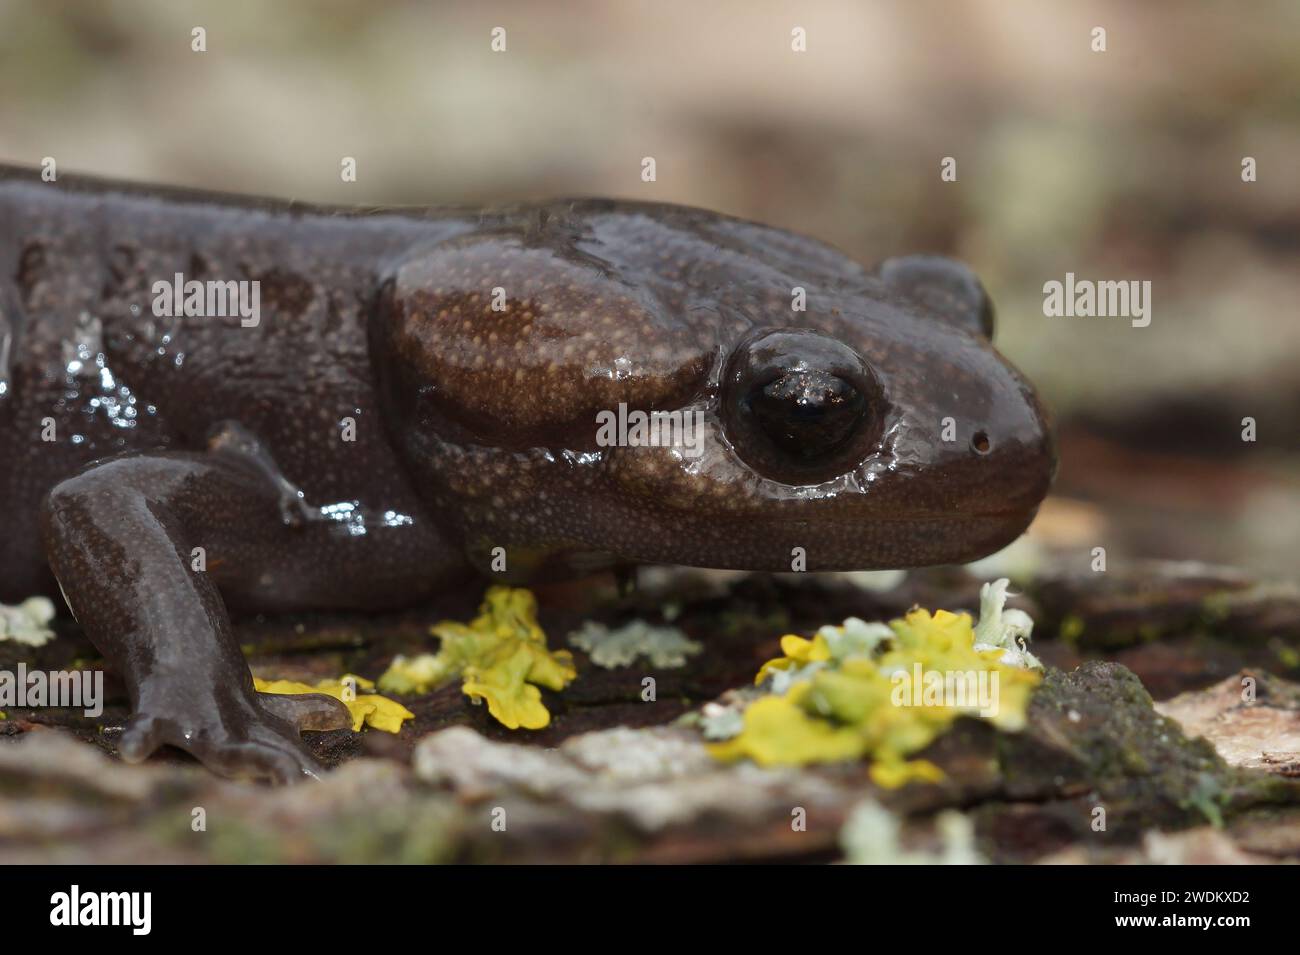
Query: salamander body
{"type": "Point", "coordinates": [211, 404]}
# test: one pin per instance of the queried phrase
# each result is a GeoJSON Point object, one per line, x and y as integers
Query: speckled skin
{"type": "Point", "coordinates": [391, 422]}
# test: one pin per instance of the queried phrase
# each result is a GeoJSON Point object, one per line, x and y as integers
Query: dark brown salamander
{"type": "Point", "coordinates": [417, 394]}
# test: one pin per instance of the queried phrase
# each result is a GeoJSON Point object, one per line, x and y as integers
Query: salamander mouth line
{"type": "Point", "coordinates": [947, 519]}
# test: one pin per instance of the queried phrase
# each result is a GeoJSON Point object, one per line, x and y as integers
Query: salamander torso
{"type": "Point", "coordinates": [355, 409]}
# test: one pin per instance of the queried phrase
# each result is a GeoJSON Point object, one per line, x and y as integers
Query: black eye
{"type": "Point", "coordinates": [799, 407]}
{"type": "Point", "coordinates": [807, 414]}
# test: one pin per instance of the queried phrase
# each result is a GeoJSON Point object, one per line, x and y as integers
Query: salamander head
{"type": "Point", "coordinates": [617, 409]}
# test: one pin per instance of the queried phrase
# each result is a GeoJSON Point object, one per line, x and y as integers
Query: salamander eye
{"type": "Point", "coordinates": [807, 414]}
{"type": "Point", "coordinates": [799, 407]}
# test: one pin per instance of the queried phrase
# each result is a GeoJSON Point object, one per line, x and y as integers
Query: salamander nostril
{"type": "Point", "coordinates": [980, 442]}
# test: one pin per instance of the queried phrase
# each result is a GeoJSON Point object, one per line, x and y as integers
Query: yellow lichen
{"type": "Point", "coordinates": [501, 656]}
{"type": "Point", "coordinates": [798, 651]}
{"type": "Point", "coordinates": [370, 708]}
{"type": "Point", "coordinates": [850, 692]}
{"type": "Point", "coordinates": [779, 732]}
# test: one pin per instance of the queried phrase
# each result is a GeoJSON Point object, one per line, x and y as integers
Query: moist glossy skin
{"type": "Point", "coordinates": [421, 394]}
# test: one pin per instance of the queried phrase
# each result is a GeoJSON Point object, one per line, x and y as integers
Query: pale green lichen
{"type": "Point", "coordinates": [408, 676]}
{"type": "Point", "coordinates": [29, 622]}
{"type": "Point", "coordinates": [803, 659]}
{"type": "Point", "coordinates": [871, 837]}
{"type": "Point", "coordinates": [718, 722]}
{"type": "Point", "coordinates": [663, 648]}
{"type": "Point", "coordinates": [1004, 629]}
{"type": "Point", "coordinates": [855, 638]}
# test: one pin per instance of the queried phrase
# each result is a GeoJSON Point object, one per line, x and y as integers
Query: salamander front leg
{"type": "Point", "coordinates": [121, 537]}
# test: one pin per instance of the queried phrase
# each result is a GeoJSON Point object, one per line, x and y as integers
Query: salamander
{"type": "Point", "coordinates": [214, 405]}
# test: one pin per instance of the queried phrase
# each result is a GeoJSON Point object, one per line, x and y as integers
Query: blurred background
{"type": "Point", "coordinates": [1117, 165]}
